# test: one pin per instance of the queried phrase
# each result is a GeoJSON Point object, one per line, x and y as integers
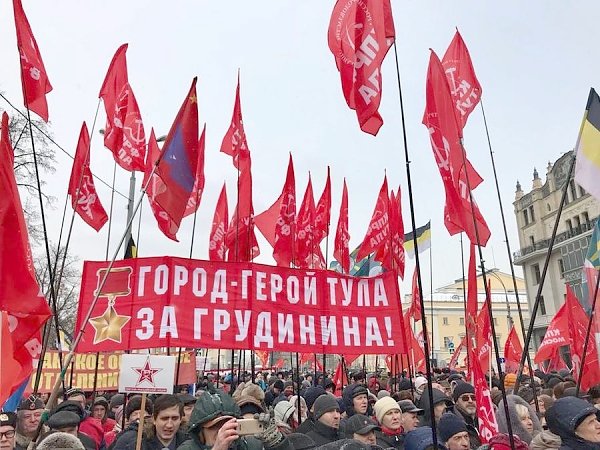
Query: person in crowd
{"type": "Point", "coordinates": [420, 384]}
{"type": "Point", "coordinates": [100, 412]}
{"type": "Point", "coordinates": [115, 401]}
{"type": "Point", "coordinates": [362, 428]}
{"type": "Point", "coordinates": [188, 401]}
{"type": "Point", "coordinates": [213, 425]}
{"type": "Point", "coordinates": [389, 415]}
{"type": "Point", "coordinates": [260, 380]}
{"type": "Point", "coordinates": [77, 395]}
{"type": "Point", "coordinates": [29, 415]}
{"type": "Point", "coordinates": [356, 400]}
{"type": "Point", "coordinates": [465, 407]}
{"type": "Point", "coordinates": [60, 441]}
{"type": "Point", "coordinates": [163, 433]}
{"type": "Point", "coordinates": [501, 441]}
{"type": "Point", "coordinates": [421, 439]}
{"type": "Point", "coordinates": [8, 427]}
{"type": "Point", "coordinates": [409, 420]}
{"type": "Point", "coordinates": [594, 396]}
{"type": "Point", "coordinates": [326, 420]}
{"type": "Point", "coordinates": [298, 419]}
{"type": "Point", "coordinates": [524, 420]}
{"type": "Point", "coordinates": [575, 421]}
{"type": "Point", "coordinates": [374, 385]}
{"type": "Point", "coordinates": [273, 392]}
{"type": "Point", "coordinates": [452, 432]}
{"type": "Point", "coordinates": [68, 422]}
{"type": "Point", "coordinates": [310, 396]}
{"type": "Point", "coordinates": [133, 415]}
{"type": "Point", "coordinates": [545, 440]}
{"type": "Point", "coordinates": [441, 403]}
{"type": "Point", "coordinates": [329, 386]}
{"type": "Point", "coordinates": [284, 411]}
{"type": "Point", "coordinates": [360, 378]}
{"type": "Point", "coordinates": [88, 425]}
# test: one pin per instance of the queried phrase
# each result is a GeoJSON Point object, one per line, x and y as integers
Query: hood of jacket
{"type": "Point", "coordinates": [564, 417]}
{"type": "Point", "coordinates": [517, 426]}
{"type": "Point", "coordinates": [208, 406]}
{"type": "Point", "coordinates": [423, 403]}
{"type": "Point", "coordinates": [348, 395]}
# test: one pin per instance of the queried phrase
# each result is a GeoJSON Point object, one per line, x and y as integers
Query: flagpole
{"type": "Point", "coordinates": [110, 213]}
{"type": "Point", "coordinates": [431, 299]}
{"type": "Point", "coordinates": [464, 283]}
{"type": "Point", "coordinates": [506, 240]}
{"type": "Point", "coordinates": [587, 336]}
{"type": "Point", "coordinates": [416, 246]}
{"type": "Point", "coordinates": [538, 295]}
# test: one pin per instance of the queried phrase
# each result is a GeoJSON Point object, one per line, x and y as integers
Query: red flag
{"type": "Point", "coordinates": [216, 246]}
{"type": "Point", "coordinates": [323, 211]}
{"type": "Point", "coordinates": [379, 228]}
{"type": "Point", "coordinates": [24, 309]}
{"type": "Point", "coordinates": [512, 351]}
{"type": "Point", "coordinates": [483, 348]}
{"type": "Point", "coordinates": [124, 132]}
{"type": "Point", "coordinates": [156, 186]}
{"type": "Point", "coordinates": [33, 73]}
{"type": "Point", "coordinates": [241, 239]}
{"type": "Point", "coordinates": [417, 353]}
{"type": "Point", "coordinates": [394, 251]}
{"type": "Point", "coordinates": [263, 355]}
{"type": "Point", "coordinates": [445, 136]}
{"type": "Point", "coordinates": [488, 425]}
{"type": "Point", "coordinates": [415, 307]}
{"type": "Point", "coordinates": [472, 291]}
{"type": "Point", "coordinates": [84, 199]}
{"type": "Point", "coordinates": [342, 252]}
{"type": "Point", "coordinates": [456, 354]}
{"type": "Point", "coordinates": [359, 37]}
{"type": "Point", "coordinates": [464, 86]}
{"type": "Point", "coordinates": [266, 221]}
{"type": "Point", "coordinates": [340, 379]}
{"type": "Point", "coordinates": [179, 159]}
{"type": "Point", "coordinates": [557, 335]}
{"type": "Point", "coordinates": [285, 227]}
{"type": "Point", "coordinates": [308, 252]}
{"type": "Point", "coordinates": [199, 180]}
{"type": "Point", "coordinates": [578, 322]}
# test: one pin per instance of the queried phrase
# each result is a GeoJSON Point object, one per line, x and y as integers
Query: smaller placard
{"type": "Point", "coordinates": [147, 374]}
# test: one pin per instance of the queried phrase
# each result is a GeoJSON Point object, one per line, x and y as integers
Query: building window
{"type": "Point", "coordinates": [576, 223]}
{"type": "Point", "coordinates": [535, 271]}
{"type": "Point", "coordinates": [444, 320]}
{"type": "Point", "coordinates": [542, 305]}
{"type": "Point", "coordinates": [561, 268]}
{"type": "Point", "coordinates": [526, 217]}
{"type": "Point", "coordinates": [531, 214]}
{"type": "Point", "coordinates": [585, 216]}
{"type": "Point", "coordinates": [461, 321]}
{"type": "Point", "coordinates": [448, 341]}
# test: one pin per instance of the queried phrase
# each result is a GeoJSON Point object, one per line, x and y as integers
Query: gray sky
{"type": "Point", "coordinates": [535, 60]}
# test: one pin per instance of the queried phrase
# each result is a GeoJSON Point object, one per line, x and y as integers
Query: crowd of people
{"type": "Point", "coordinates": [283, 411]}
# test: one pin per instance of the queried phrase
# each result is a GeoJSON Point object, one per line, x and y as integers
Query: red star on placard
{"type": "Point", "coordinates": [146, 373]}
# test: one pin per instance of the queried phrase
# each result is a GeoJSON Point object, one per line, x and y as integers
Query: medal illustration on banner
{"type": "Point", "coordinates": [109, 324]}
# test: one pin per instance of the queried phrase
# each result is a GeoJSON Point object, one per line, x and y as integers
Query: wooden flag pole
{"type": "Point", "coordinates": [140, 430]}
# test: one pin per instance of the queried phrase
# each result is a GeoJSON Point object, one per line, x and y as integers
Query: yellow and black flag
{"type": "Point", "coordinates": [587, 167]}
{"type": "Point", "coordinates": [131, 249]}
{"type": "Point", "coordinates": [423, 240]}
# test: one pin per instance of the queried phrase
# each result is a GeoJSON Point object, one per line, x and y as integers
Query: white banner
{"type": "Point", "coordinates": [147, 374]}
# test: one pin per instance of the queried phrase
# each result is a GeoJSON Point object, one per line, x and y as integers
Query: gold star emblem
{"type": "Point", "coordinates": [193, 99]}
{"type": "Point", "coordinates": [108, 326]}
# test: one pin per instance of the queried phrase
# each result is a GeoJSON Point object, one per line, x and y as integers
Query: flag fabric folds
{"type": "Point", "coordinates": [199, 179]}
{"type": "Point", "coordinates": [359, 37]}
{"type": "Point", "coordinates": [423, 234]}
{"type": "Point", "coordinates": [84, 199]}
{"type": "Point", "coordinates": [33, 73]}
{"type": "Point", "coordinates": [179, 160]}
{"type": "Point", "coordinates": [342, 236]}
{"type": "Point", "coordinates": [557, 335]}
{"type": "Point", "coordinates": [22, 306]}
{"type": "Point", "coordinates": [307, 251]}
{"type": "Point", "coordinates": [393, 251]}
{"type": "Point", "coordinates": [415, 305]}
{"type": "Point", "coordinates": [124, 133]}
{"type": "Point", "coordinates": [285, 227]}
{"type": "Point", "coordinates": [587, 165]}
{"type": "Point", "coordinates": [378, 232]}
{"type": "Point", "coordinates": [512, 351]}
{"type": "Point", "coordinates": [486, 415]}
{"type": "Point", "coordinates": [464, 86]}
{"type": "Point", "coordinates": [216, 246]}
{"type": "Point", "coordinates": [323, 211]}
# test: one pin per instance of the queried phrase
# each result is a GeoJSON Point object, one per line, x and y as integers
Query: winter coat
{"type": "Point", "coordinates": [517, 426]}
{"type": "Point", "coordinates": [127, 439]}
{"type": "Point", "coordinates": [546, 440]}
{"type": "Point", "coordinates": [472, 427]}
{"type": "Point", "coordinates": [348, 395]}
{"type": "Point", "coordinates": [390, 441]}
{"type": "Point", "coordinates": [423, 403]}
{"type": "Point", "coordinates": [563, 418]}
{"type": "Point", "coordinates": [322, 434]}
{"type": "Point", "coordinates": [419, 439]}
{"type": "Point", "coordinates": [306, 426]}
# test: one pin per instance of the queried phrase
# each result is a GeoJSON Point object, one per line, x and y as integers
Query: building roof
{"type": "Point", "coordinates": [499, 282]}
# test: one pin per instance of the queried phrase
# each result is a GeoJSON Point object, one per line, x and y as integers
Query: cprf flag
{"type": "Point", "coordinates": [285, 227]}
{"type": "Point", "coordinates": [488, 425]}
{"type": "Point", "coordinates": [308, 253]}
{"type": "Point", "coordinates": [342, 236]}
{"type": "Point", "coordinates": [415, 306]}
{"type": "Point", "coordinates": [378, 232]}
{"type": "Point", "coordinates": [199, 180]}
{"type": "Point", "coordinates": [587, 166]}
{"type": "Point", "coordinates": [557, 335]}
{"type": "Point", "coordinates": [216, 246]}
{"type": "Point", "coordinates": [512, 351]}
{"type": "Point", "coordinates": [360, 35]}
{"type": "Point", "coordinates": [33, 73]}
{"type": "Point", "coordinates": [84, 199]}
{"type": "Point", "coordinates": [464, 86]}
{"type": "Point", "coordinates": [323, 211]}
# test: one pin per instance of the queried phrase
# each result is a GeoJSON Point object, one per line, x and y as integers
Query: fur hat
{"type": "Point", "coordinates": [254, 390]}
{"type": "Point", "coordinates": [60, 440]}
{"type": "Point", "coordinates": [324, 404]}
{"type": "Point", "coordinates": [249, 404]}
{"type": "Point", "coordinates": [383, 405]}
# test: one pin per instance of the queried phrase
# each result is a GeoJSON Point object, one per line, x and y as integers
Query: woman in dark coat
{"type": "Point", "coordinates": [576, 422]}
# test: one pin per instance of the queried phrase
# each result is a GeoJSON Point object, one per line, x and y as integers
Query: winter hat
{"type": "Point", "coordinates": [419, 439]}
{"type": "Point", "coordinates": [278, 385]}
{"type": "Point", "coordinates": [419, 382]}
{"type": "Point", "coordinates": [509, 380]}
{"type": "Point", "coordinates": [462, 388]}
{"type": "Point", "coordinates": [404, 384]}
{"type": "Point", "coordinates": [73, 406]}
{"type": "Point", "coordinates": [249, 405]}
{"type": "Point", "coordinates": [324, 404]}
{"type": "Point", "coordinates": [383, 405]}
{"type": "Point", "coordinates": [60, 440]}
{"type": "Point", "coordinates": [360, 424]}
{"type": "Point", "coordinates": [300, 441]}
{"type": "Point", "coordinates": [545, 440]}
{"type": "Point", "coordinates": [284, 410]}
{"type": "Point", "coordinates": [31, 403]}
{"type": "Point", "coordinates": [502, 442]}
{"type": "Point", "coordinates": [449, 425]}
{"type": "Point", "coordinates": [134, 404]}
{"type": "Point", "coordinates": [101, 401]}
{"type": "Point", "coordinates": [116, 400]}
{"type": "Point", "coordinates": [8, 419]}
{"type": "Point", "coordinates": [254, 390]}
{"type": "Point", "coordinates": [312, 394]}
{"type": "Point", "coordinates": [63, 419]}
{"type": "Point", "coordinates": [383, 393]}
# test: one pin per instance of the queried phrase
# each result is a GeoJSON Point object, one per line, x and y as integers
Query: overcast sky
{"type": "Point", "coordinates": [535, 61]}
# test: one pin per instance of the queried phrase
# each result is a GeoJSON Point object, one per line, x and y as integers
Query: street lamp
{"type": "Point", "coordinates": [493, 273]}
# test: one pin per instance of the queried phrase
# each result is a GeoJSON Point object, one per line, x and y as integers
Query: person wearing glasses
{"type": "Point", "coordinates": [465, 408]}
{"type": "Point", "coordinates": [8, 424]}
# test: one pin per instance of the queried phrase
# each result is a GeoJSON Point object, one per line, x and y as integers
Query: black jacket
{"type": "Point", "coordinates": [564, 417]}
{"type": "Point", "coordinates": [472, 427]}
{"type": "Point", "coordinates": [127, 439]}
{"type": "Point", "coordinates": [322, 434]}
{"type": "Point", "coordinates": [390, 441]}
